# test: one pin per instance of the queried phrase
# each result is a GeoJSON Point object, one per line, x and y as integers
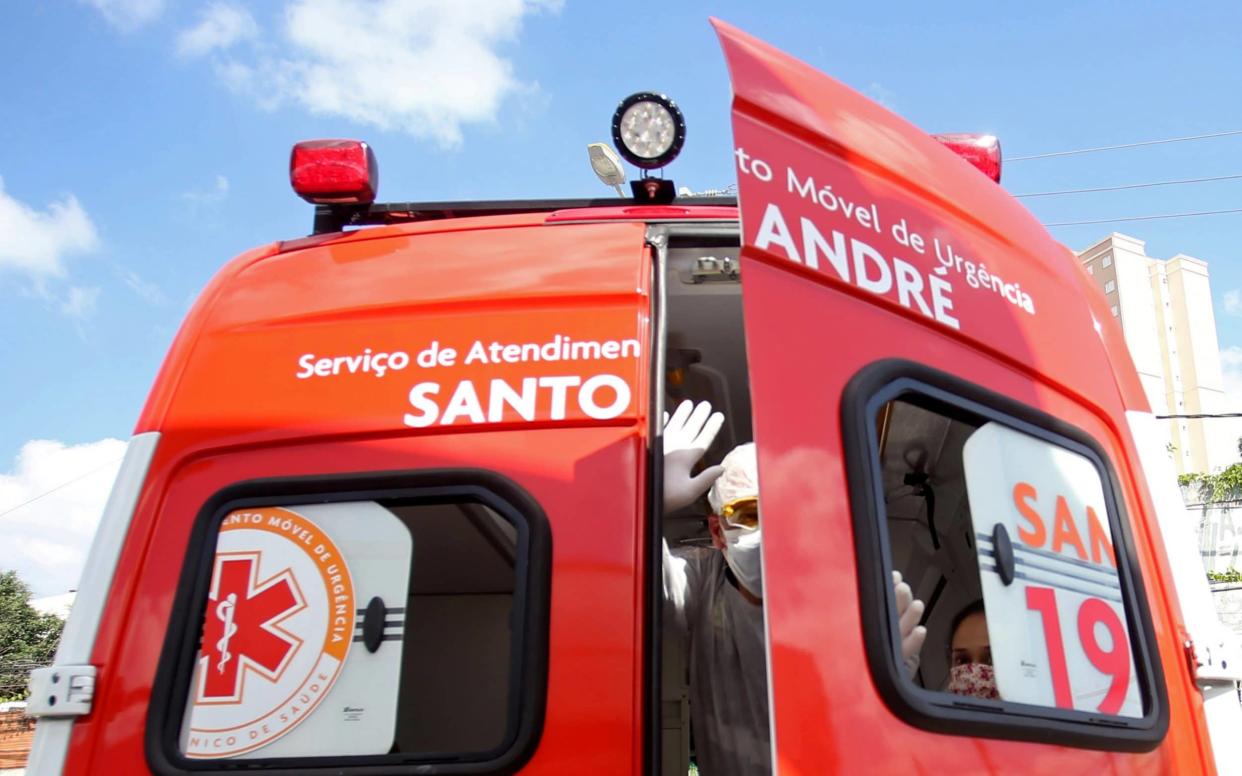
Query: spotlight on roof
{"type": "Point", "coordinates": [607, 166]}
{"type": "Point", "coordinates": [648, 130]}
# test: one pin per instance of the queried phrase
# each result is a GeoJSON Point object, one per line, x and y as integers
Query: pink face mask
{"type": "Point", "coordinates": [977, 680]}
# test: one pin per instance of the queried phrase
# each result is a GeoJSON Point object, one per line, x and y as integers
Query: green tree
{"type": "Point", "coordinates": [25, 635]}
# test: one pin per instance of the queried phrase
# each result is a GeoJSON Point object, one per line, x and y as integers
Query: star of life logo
{"type": "Point", "coordinates": [276, 631]}
{"type": "Point", "coordinates": [247, 616]}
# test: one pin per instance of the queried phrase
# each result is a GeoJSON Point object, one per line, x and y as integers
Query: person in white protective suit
{"type": "Point", "coordinates": [716, 596]}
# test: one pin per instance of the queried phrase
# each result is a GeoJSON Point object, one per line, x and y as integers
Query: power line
{"type": "Point", "coordinates": [1125, 145]}
{"type": "Point", "coordinates": [1129, 186]}
{"type": "Point", "coordinates": [1145, 218]}
{"type": "Point", "coordinates": [1200, 415]}
{"type": "Point", "coordinates": [58, 487]}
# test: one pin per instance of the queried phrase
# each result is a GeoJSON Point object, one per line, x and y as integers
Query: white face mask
{"type": "Point", "coordinates": [742, 554]}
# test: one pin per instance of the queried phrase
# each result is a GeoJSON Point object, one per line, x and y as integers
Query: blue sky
{"type": "Point", "coordinates": [145, 142]}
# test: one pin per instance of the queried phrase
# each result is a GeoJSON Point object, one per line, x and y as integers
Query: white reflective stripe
{"type": "Point", "coordinates": [1224, 714]}
{"type": "Point", "coordinates": [51, 742]}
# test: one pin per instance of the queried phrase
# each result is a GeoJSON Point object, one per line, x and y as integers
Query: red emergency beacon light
{"type": "Point", "coordinates": [983, 151]}
{"type": "Point", "coordinates": [334, 172]}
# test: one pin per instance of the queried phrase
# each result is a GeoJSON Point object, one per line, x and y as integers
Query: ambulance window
{"type": "Point", "coordinates": [1009, 535]}
{"type": "Point", "coordinates": [389, 629]}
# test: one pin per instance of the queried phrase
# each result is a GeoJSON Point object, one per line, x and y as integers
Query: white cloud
{"type": "Point", "coordinates": [34, 242]}
{"type": "Point", "coordinates": [218, 191]}
{"type": "Point", "coordinates": [150, 292]}
{"type": "Point", "coordinates": [50, 504]}
{"type": "Point", "coordinates": [222, 25]}
{"type": "Point", "coordinates": [877, 92]}
{"type": "Point", "coordinates": [1231, 369]}
{"type": "Point", "coordinates": [80, 302]}
{"type": "Point", "coordinates": [128, 15]}
{"type": "Point", "coordinates": [1233, 302]}
{"type": "Point", "coordinates": [423, 67]}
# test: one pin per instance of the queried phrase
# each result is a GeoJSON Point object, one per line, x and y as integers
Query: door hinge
{"type": "Point", "coordinates": [61, 691]}
{"type": "Point", "coordinates": [1210, 665]}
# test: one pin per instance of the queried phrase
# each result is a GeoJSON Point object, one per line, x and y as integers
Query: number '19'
{"type": "Point", "coordinates": [1115, 662]}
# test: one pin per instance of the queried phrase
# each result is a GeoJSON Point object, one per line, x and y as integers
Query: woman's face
{"type": "Point", "coordinates": [970, 641]}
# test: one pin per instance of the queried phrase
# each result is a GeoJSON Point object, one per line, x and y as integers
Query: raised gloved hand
{"type": "Point", "coordinates": [687, 435]}
{"type": "Point", "coordinates": [909, 612]}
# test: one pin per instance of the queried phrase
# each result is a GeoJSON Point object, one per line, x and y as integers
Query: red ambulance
{"type": "Point", "coordinates": [393, 503]}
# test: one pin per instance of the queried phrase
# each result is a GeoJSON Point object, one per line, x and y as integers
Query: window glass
{"type": "Point", "coordinates": [356, 628]}
{"type": "Point", "coordinates": [1110, 286]}
{"type": "Point", "coordinates": [1090, 269]}
{"type": "Point", "coordinates": [1057, 624]}
{"type": "Point", "coordinates": [1006, 538]}
{"type": "Point", "coordinates": [1114, 311]}
{"type": "Point", "coordinates": [1107, 261]}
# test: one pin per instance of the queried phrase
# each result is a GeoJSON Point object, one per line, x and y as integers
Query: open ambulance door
{"type": "Point", "coordinates": [919, 349]}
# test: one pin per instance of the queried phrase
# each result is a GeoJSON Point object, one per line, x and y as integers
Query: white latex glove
{"type": "Point", "coordinates": [687, 435]}
{"type": "Point", "coordinates": [909, 612]}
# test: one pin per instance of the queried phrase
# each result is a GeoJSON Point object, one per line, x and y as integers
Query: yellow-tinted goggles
{"type": "Point", "coordinates": [742, 513]}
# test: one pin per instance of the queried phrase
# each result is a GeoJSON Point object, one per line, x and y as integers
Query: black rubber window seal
{"type": "Point", "coordinates": [941, 712]}
{"type": "Point", "coordinates": [531, 612]}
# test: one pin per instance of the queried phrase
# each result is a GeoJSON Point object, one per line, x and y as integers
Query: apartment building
{"type": "Point", "coordinates": [1165, 310]}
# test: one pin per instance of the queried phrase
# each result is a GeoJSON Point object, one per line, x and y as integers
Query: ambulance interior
{"type": "Point", "coordinates": [705, 360]}
{"type": "Point", "coordinates": [455, 671]}
{"type": "Point", "coordinates": [928, 521]}
{"type": "Point", "coordinates": [931, 540]}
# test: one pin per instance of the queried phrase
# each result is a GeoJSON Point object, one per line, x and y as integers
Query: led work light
{"type": "Point", "coordinates": [648, 130]}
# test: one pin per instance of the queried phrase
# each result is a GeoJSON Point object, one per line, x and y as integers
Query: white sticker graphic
{"type": "Point", "coordinates": [278, 627]}
{"type": "Point", "coordinates": [282, 668]}
{"type": "Point", "coordinates": [1058, 628]}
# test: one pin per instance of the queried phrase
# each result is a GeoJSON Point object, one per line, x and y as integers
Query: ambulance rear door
{"type": "Point", "coordinates": [899, 304]}
{"type": "Point", "coordinates": [393, 523]}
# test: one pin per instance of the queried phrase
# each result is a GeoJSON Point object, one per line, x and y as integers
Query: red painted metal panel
{"type": "Point", "coordinates": [250, 364]}
{"type": "Point", "coordinates": [230, 406]}
{"type": "Point", "coordinates": [835, 281]}
{"type": "Point", "coordinates": [588, 481]}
